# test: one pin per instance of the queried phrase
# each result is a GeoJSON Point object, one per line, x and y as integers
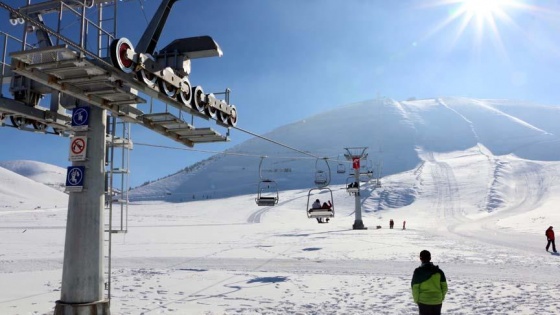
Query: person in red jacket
{"type": "Point", "coordinates": [550, 238]}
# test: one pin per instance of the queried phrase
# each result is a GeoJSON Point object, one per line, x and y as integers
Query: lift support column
{"type": "Point", "coordinates": [355, 155]}
{"type": "Point", "coordinates": [358, 223]}
{"type": "Point", "coordinates": [82, 273]}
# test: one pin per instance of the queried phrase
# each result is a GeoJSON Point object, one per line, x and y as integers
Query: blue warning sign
{"type": "Point", "coordinates": [80, 118]}
{"type": "Point", "coordinates": [75, 178]}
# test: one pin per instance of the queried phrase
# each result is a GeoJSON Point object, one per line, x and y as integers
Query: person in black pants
{"type": "Point", "coordinates": [550, 238]}
{"type": "Point", "coordinates": [429, 286]}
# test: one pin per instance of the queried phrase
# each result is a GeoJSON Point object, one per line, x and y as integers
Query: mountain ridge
{"type": "Point", "coordinates": [401, 137]}
{"type": "Point", "coordinates": [393, 131]}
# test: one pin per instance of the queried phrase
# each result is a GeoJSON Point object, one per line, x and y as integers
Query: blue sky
{"type": "Point", "coordinates": [285, 60]}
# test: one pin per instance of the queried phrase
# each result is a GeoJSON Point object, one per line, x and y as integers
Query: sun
{"type": "Point", "coordinates": [485, 13]}
{"type": "Point", "coordinates": [480, 18]}
{"type": "Point", "coordinates": [484, 8]}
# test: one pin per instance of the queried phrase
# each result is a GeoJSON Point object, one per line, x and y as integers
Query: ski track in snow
{"type": "Point", "coordinates": [270, 260]}
{"type": "Point", "coordinates": [529, 192]}
{"type": "Point", "coordinates": [376, 293]}
{"type": "Point", "coordinates": [473, 130]}
{"type": "Point", "coordinates": [255, 217]}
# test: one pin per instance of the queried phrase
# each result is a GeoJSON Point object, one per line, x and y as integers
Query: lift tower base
{"type": "Point", "coordinates": [359, 225]}
{"type": "Point", "coordinates": [100, 307]}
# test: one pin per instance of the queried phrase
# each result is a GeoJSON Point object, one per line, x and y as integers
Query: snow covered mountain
{"type": "Point", "coordinates": [475, 180]}
{"type": "Point", "coordinates": [499, 138]}
{"type": "Point", "coordinates": [47, 174]}
{"type": "Point", "coordinates": [30, 185]}
{"type": "Point", "coordinates": [400, 136]}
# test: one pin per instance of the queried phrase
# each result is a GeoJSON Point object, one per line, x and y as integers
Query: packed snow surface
{"type": "Point", "coordinates": [229, 256]}
{"type": "Point", "coordinates": [477, 182]}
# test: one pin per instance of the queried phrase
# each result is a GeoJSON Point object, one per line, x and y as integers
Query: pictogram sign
{"type": "Point", "coordinates": [75, 178]}
{"type": "Point", "coordinates": [80, 118]}
{"type": "Point", "coordinates": [78, 148]}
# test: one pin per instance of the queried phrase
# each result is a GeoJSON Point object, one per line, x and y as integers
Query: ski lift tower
{"type": "Point", "coordinates": [355, 155]}
{"type": "Point", "coordinates": [91, 75]}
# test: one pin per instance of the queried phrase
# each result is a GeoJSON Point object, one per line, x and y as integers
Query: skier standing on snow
{"type": "Point", "coordinates": [429, 286]}
{"type": "Point", "coordinates": [550, 238]}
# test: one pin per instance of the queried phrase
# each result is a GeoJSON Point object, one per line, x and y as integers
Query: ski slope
{"type": "Point", "coordinates": [482, 216]}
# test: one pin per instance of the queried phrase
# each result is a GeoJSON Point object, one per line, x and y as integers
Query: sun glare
{"type": "Point", "coordinates": [484, 8]}
{"type": "Point", "coordinates": [480, 18]}
{"type": "Point", "coordinates": [484, 14]}
{"type": "Point", "coordinates": [484, 11]}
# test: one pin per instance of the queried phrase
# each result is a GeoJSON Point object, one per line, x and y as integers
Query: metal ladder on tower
{"type": "Point", "coordinates": [107, 31]}
{"type": "Point", "coordinates": [117, 173]}
{"type": "Point", "coordinates": [118, 149]}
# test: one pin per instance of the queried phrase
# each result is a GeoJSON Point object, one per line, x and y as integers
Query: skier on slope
{"type": "Point", "coordinates": [550, 238]}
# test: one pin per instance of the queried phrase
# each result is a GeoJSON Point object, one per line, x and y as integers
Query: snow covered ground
{"type": "Point", "coordinates": [47, 174]}
{"type": "Point", "coordinates": [482, 217]}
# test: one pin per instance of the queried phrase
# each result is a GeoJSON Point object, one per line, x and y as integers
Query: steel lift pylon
{"type": "Point", "coordinates": [355, 155]}
{"type": "Point", "coordinates": [113, 80]}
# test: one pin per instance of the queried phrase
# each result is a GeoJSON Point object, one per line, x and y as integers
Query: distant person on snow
{"type": "Point", "coordinates": [429, 286]}
{"type": "Point", "coordinates": [404, 225]}
{"type": "Point", "coordinates": [550, 238]}
{"type": "Point", "coordinates": [391, 223]}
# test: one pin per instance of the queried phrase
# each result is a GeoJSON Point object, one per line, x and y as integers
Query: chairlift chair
{"type": "Point", "coordinates": [321, 178]}
{"type": "Point", "coordinates": [267, 190]}
{"type": "Point", "coordinates": [351, 186]}
{"type": "Point", "coordinates": [320, 212]}
{"type": "Point", "coordinates": [322, 175]}
{"type": "Point", "coordinates": [365, 177]}
{"type": "Point", "coordinates": [267, 193]}
{"type": "Point", "coordinates": [341, 168]}
{"type": "Point", "coordinates": [370, 168]}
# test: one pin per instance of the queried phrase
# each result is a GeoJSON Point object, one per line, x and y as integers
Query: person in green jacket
{"type": "Point", "coordinates": [429, 286]}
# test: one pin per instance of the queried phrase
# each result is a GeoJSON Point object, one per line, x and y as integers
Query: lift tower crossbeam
{"type": "Point", "coordinates": [101, 81]}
